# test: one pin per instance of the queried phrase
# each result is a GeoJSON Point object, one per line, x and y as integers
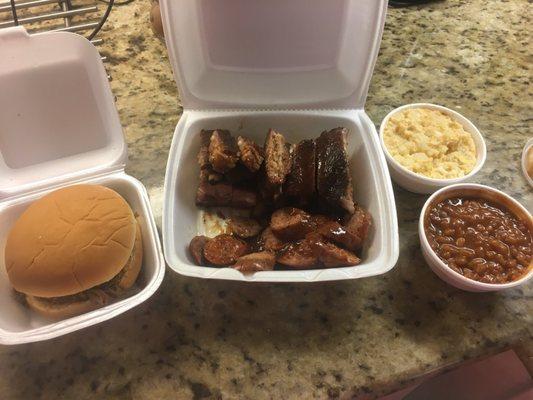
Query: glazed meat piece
{"type": "Point", "coordinates": [252, 155]}
{"type": "Point", "coordinates": [340, 235]}
{"type": "Point", "coordinates": [244, 227]}
{"type": "Point", "coordinates": [277, 158]}
{"type": "Point", "coordinates": [268, 241]}
{"type": "Point", "coordinates": [203, 154]}
{"type": "Point", "coordinates": [359, 223]}
{"type": "Point", "coordinates": [329, 254]}
{"type": "Point", "coordinates": [262, 261]}
{"type": "Point", "coordinates": [224, 195]}
{"type": "Point", "coordinates": [318, 220]}
{"type": "Point", "coordinates": [223, 151]}
{"type": "Point", "coordinates": [270, 193]}
{"type": "Point", "coordinates": [291, 223]}
{"type": "Point", "coordinates": [239, 174]}
{"type": "Point", "coordinates": [208, 175]}
{"type": "Point", "coordinates": [300, 185]}
{"type": "Point", "coordinates": [261, 210]}
{"type": "Point", "coordinates": [196, 248]}
{"type": "Point", "coordinates": [300, 255]}
{"type": "Point", "coordinates": [334, 184]}
{"type": "Point", "coordinates": [224, 250]}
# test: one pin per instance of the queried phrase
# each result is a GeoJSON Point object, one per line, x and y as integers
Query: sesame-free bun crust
{"type": "Point", "coordinates": [96, 297]}
{"type": "Point", "coordinates": [70, 240]}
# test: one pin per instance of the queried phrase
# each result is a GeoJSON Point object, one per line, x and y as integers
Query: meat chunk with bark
{"type": "Point", "coordinates": [299, 255]}
{"type": "Point", "coordinates": [239, 174]}
{"type": "Point", "coordinates": [300, 187]}
{"type": "Point", "coordinates": [224, 250]}
{"type": "Point", "coordinates": [261, 211]}
{"type": "Point", "coordinates": [340, 235]}
{"type": "Point", "coordinates": [334, 183]}
{"type": "Point", "coordinates": [359, 223]}
{"type": "Point", "coordinates": [319, 219]}
{"type": "Point", "coordinates": [291, 223]}
{"type": "Point", "coordinates": [244, 227]}
{"type": "Point", "coordinates": [208, 175]}
{"type": "Point", "coordinates": [224, 195]}
{"type": "Point", "coordinates": [203, 154]}
{"type": "Point", "coordinates": [251, 154]}
{"type": "Point", "coordinates": [277, 158]}
{"type": "Point", "coordinates": [329, 254]}
{"type": "Point", "coordinates": [253, 262]}
{"type": "Point", "coordinates": [223, 151]}
{"type": "Point", "coordinates": [196, 248]}
{"type": "Point", "coordinates": [268, 241]}
{"type": "Point", "coordinates": [270, 193]}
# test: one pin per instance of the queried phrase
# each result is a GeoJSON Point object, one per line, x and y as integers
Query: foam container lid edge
{"type": "Point", "coordinates": [59, 120]}
{"type": "Point", "coordinates": [280, 54]}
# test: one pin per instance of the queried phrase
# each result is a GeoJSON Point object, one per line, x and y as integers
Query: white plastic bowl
{"type": "Point", "coordinates": [528, 146]}
{"type": "Point", "coordinates": [439, 267]}
{"type": "Point", "coordinates": [418, 183]}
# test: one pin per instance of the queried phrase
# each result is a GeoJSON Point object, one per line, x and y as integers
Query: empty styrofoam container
{"type": "Point", "coordinates": [59, 126]}
{"type": "Point", "coordinates": [299, 66]}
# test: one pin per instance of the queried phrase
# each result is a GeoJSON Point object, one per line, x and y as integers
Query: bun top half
{"type": "Point", "coordinates": [70, 240]}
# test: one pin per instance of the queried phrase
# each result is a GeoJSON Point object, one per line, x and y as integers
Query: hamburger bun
{"type": "Point", "coordinates": [70, 241]}
{"type": "Point", "coordinates": [97, 297]}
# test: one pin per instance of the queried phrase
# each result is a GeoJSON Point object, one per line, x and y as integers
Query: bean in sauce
{"type": "Point", "coordinates": [479, 239]}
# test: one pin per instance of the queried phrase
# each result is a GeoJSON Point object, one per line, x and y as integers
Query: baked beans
{"type": "Point", "coordinates": [479, 239]}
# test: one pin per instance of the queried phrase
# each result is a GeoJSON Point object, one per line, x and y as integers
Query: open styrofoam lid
{"type": "Point", "coordinates": [273, 54]}
{"type": "Point", "coordinates": [57, 114]}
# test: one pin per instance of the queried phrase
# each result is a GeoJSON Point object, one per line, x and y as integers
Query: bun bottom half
{"type": "Point", "coordinates": [61, 310]}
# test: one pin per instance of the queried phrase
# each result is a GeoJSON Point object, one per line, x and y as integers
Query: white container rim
{"type": "Point", "coordinates": [196, 32]}
{"type": "Point", "coordinates": [459, 118]}
{"type": "Point", "coordinates": [442, 264]}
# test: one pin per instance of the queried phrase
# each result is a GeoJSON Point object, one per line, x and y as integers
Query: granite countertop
{"type": "Point", "coordinates": [216, 339]}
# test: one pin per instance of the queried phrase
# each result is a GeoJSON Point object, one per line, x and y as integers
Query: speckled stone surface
{"type": "Point", "coordinates": [207, 339]}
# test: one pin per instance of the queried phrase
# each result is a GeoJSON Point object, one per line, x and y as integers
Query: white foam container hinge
{"type": "Point", "coordinates": [58, 127]}
{"type": "Point", "coordinates": [299, 66]}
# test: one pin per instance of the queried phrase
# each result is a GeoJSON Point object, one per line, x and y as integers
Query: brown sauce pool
{"type": "Point", "coordinates": [479, 239]}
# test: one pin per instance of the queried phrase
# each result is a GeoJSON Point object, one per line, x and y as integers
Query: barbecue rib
{"type": "Point", "coordinates": [277, 158]}
{"type": "Point", "coordinates": [252, 155]}
{"type": "Point", "coordinates": [224, 195]}
{"type": "Point", "coordinates": [334, 184]}
{"type": "Point", "coordinates": [203, 154]}
{"type": "Point", "coordinates": [223, 151]}
{"type": "Point", "coordinates": [300, 186]}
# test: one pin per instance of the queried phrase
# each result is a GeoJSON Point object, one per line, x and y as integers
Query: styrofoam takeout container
{"type": "Point", "coordinates": [298, 66]}
{"type": "Point", "coordinates": [438, 266]}
{"type": "Point", "coordinates": [417, 183]}
{"type": "Point", "coordinates": [59, 126]}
